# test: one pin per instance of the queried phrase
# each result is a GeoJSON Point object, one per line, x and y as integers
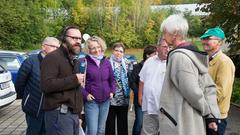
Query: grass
{"type": "Point", "coordinates": [137, 52]}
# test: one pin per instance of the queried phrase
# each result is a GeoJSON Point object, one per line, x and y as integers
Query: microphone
{"type": "Point", "coordinates": [82, 67]}
{"type": "Point", "coordinates": [82, 70]}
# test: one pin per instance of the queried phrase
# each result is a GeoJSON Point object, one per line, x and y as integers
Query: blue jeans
{"type": "Point", "coordinates": [57, 123]}
{"type": "Point", "coordinates": [137, 127]}
{"type": "Point", "coordinates": [35, 125]}
{"type": "Point", "coordinates": [96, 116]}
{"type": "Point", "coordinates": [222, 126]}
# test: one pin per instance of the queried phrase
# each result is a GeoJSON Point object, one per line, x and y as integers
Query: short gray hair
{"type": "Point", "coordinates": [50, 40]}
{"type": "Point", "coordinates": [175, 24]}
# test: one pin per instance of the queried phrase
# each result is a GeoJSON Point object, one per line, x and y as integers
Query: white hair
{"type": "Point", "coordinates": [175, 24]}
{"type": "Point", "coordinates": [51, 40]}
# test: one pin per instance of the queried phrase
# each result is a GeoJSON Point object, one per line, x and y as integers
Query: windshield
{"type": "Point", "coordinates": [9, 62]}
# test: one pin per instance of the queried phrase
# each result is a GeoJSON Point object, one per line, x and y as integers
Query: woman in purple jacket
{"type": "Point", "coordinates": [99, 86]}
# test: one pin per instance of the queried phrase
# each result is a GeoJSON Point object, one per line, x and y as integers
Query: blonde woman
{"type": "Point", "coordinates": [99, 86]}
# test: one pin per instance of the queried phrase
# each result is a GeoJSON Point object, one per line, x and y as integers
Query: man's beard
{"type": "Point", "coordinates": [73, 49]}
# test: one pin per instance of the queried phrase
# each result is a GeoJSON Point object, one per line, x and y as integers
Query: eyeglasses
{"type": "Point", "coordinates": [53, 46]}
{"type": "Point", "coordinates": [74, 38]}
{"type": "Point", "coordinates": [120, 51]}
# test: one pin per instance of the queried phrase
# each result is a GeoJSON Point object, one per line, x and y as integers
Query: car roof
{"type": "Point", "coordinates": [33, 52]}
{"type": "Point", "coordinates": [8, 55]}
{"type": "Point", "coordinates": [13, 52]}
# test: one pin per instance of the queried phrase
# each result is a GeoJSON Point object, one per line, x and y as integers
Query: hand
{"type": "Point", "coordinates": [111, 95]}
{"type": "Point", "coordinates": [90, 97]}
{"type": "Point", "coordinates": [81, 79]}
{"type": "Point", "coordinates": [213, 126]}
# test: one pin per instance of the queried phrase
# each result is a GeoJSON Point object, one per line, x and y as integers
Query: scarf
{"type": "Point", "coordinates": [96, 59]}
{"type": "Point", "coordinates": [123, 74]}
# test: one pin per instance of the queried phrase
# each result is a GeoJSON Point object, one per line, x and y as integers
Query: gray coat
{"type": "Point", "coordinates": [188, 94]}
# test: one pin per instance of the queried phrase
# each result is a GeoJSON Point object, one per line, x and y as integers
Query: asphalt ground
{"type": "Point", "coordinates": [12, 120]}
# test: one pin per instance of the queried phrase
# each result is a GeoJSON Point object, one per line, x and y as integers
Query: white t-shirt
{"type": "Point", "coordinates": [152, 75]}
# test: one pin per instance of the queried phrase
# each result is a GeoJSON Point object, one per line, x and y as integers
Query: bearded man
{"type": "Point", "coordinates": [61, 84]}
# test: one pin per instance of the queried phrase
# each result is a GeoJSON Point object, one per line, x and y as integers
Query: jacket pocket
{"type": "Point", "coordinates": [168, 116]}
{"type": "Point", "coordinates": [31, 105]}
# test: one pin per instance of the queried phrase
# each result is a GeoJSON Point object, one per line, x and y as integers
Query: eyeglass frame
{"type": "Point", "coordinates": [53, 46]}
{"type": "Point", "coordinates": [74, 38]}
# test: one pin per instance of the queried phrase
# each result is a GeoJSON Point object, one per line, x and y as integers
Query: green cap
{"type": "Point", "coordinates": [216, 32]}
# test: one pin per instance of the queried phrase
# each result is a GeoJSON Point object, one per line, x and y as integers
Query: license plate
{"type": "Point", "coordinates": [4, 85]}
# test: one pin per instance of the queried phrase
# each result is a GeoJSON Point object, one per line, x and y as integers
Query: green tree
{"type": "Point", "coordinates": [224, 14]}
{"type": "Point", "coordinates": [24, 24]}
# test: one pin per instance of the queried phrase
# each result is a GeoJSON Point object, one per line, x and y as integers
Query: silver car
{"type": "Point", "coordinates": [7, 89]}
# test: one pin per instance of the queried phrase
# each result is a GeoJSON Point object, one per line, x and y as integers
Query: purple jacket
{"type": "Point", "coordinates": [99, 80]}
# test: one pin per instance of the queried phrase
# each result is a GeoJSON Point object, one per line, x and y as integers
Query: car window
{"type": "Point", "coordinates": [9, 62]}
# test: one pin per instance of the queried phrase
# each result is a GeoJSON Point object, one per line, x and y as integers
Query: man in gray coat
{"type": "Point", "coordinates": [189, 95]}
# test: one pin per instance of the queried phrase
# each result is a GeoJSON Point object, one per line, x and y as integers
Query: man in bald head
{"type": "Point", "coordinates": [28, 87]}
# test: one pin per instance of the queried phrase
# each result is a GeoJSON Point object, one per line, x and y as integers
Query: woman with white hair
{"type": "Point", "coordinates": [188, 96]}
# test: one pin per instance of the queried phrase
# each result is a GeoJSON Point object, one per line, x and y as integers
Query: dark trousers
{"type": "Point", "coordinates": [119, 113]}
{"type": "Point", "coordinates": [221, 128]}
{"type": "Point", "coordinates": [35, 125]}
{"type": "Point", "coordinates": [137, 126]}
{"type": "Point", "coordinates": [57, 123]}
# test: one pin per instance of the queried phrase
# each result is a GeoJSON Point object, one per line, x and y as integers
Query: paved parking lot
{"type": "Point", "coordinates": [12, 120]}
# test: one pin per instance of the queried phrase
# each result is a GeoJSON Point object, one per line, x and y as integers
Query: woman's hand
{"type": "Point", "coordinates": [111, 95]}
{"type": "Point", "coordinates": [90, 97]}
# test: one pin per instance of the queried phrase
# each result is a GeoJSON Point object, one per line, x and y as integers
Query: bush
{"type": "Point", "coordinates": [236, 60]}
{"type": "Point", "coordinates": [236, 91]}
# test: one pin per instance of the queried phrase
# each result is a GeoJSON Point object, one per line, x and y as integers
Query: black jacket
{"type": "Point", "coordinates": [134, 80]}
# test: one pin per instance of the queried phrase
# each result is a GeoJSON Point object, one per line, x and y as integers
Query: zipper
{"type": "Point", "coordinates": [168, 116]}
{"type": "Point", "coordinates": [25, 102]}
{"type": "Point", "coordinates": [40, 104]}
{"type": "Point", "coordinates": [100, 69]}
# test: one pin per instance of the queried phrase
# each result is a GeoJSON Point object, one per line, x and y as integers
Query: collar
{"type": "Point", "coordinates": [213, 55]}
{"type": "Point", "coordinates": [215, 58]}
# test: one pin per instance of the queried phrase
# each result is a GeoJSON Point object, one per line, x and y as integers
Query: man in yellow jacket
{"type": "Point", "coordinates": [222, 70]}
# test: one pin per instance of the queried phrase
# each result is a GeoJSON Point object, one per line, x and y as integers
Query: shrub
{"type": "Point", "coordinates": [236, 91]}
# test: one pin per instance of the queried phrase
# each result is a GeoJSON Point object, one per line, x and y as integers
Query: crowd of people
{"type": "Point", "coordinates": [178, 88]}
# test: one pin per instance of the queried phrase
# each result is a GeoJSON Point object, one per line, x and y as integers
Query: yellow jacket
{"type": "Point", "coordinates": [222, 70]}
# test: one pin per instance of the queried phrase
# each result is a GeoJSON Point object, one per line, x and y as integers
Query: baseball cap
{"type": "Point", "coordinates": [216, 32]}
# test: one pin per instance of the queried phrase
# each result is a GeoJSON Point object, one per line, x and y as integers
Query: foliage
{"type": "Point", "coordinates": [24, 24]}
{"type": "Point", "coordinates": [158, 2]}
{"type": "Point", "coordinates": [224, 14]}
{"type": "Point", "coordinates": [236, 91]}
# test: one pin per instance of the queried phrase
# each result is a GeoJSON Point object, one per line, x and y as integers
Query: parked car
{"type": "Point", "coordinates": [7, 90]}
{"type": "Point", "coordinates": [133, 60]}
{"type": "Point", "coordinates": [31, 52]}
{"type": "Point", "coordinates": [12, 61]}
